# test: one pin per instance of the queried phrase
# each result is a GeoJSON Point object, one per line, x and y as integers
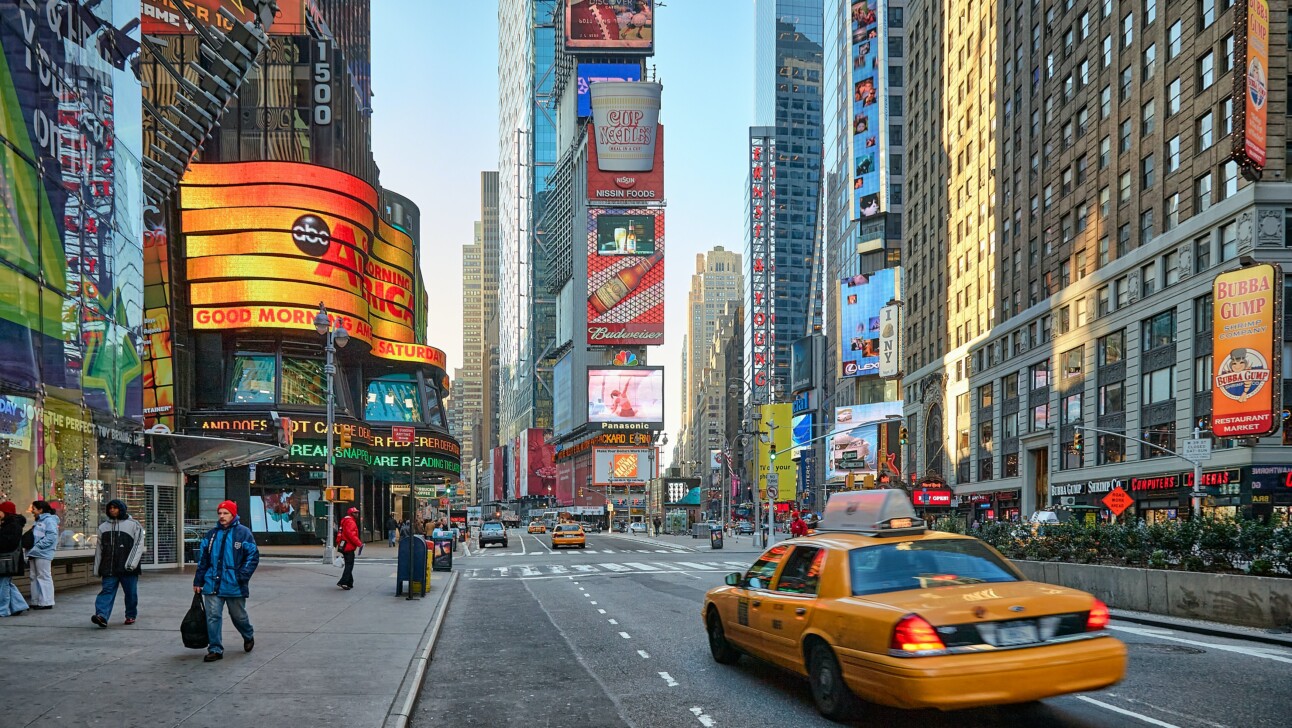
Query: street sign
{"type": "Point", "coordinates": [773, 493]}
{"type": "Point", "coordinates": [773, 486]}
{"type": "Point", "coordinates": [402, 434]}
{"type": "Point", "coordinates": [1196, 450]}
{"type": "Point", "coordinates": [1118, 501]}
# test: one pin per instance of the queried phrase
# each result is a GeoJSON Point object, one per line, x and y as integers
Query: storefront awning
{"type": "Point", "coordinates": [193, 454]}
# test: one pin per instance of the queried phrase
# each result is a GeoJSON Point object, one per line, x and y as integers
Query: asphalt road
{"type": "Point", "coordinates": [612, 636]}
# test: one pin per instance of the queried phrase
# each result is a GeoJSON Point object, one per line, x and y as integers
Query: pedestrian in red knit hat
{"type": "Point", "coordinates": [228, 559]}
{"type": "Point", "coordinates": [348, 541]}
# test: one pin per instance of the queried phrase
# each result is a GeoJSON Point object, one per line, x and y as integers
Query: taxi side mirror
{"type": "Point", "coordinates": [733, 579]}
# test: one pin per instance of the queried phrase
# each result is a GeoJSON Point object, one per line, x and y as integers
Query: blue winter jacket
{"type": "Point", "coordinates": [46, 534]}
{"type": "Point", "coordinates": [229, 558]}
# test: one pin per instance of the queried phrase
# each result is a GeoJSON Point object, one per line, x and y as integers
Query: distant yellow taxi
{"type": "Point", "coordinates": [873, 606]}
{"type": "Point", "coordinates": [569, 534]}
{"type": "Point", "coordinates": [537, 527]}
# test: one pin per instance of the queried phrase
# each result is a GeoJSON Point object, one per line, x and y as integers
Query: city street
{"type": "Point", "coordinates": [611, 636]}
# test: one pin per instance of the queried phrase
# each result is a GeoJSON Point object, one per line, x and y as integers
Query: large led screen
{"type": "Point", "coordinates": [865, 108]}
{"type": "Point", "coordinates": [268, 241]}
{"type": "Point", "coordinates": [610, 25]}
{"type": "Point", "coordinates": [625, 276]}
{"type": "Point", "coordinates": [590, 73]}
{"type": "Point", "coordinates": [630, 397]}
{"type": "Point", "coordinates": [860, 299]}
{"type": "Point", "coordinates": [853, 444]}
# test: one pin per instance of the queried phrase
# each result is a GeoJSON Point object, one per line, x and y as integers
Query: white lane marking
{"type": "Point", "coordinates": [1123, 711]}
{"type": "Point", "coordinates": [587, 595]}
{"type": "Point", "coordinates": [1168, 711]}
{"type": "Point", "coordinates": [662, 551]}
{"type": "Point", "coordinates": [583, 568]}
{"type": "Point", "coordinates": [529, 571]}
{"type": "Point", "coordinates": [645, 655]}
{"type": "Point", "coordinates": [558, 569]}
{"type": "Point", "coordinates": [741, 564]}
{"type": "Point", "coordinates": [600, 610]}
{"type": "Point", "coordinates": [625, 635]}
{"type": "Point", "coordinates": [540, 543]}
{"type": "Point", "coordinates": [613, 621]}
{"type": "Point", "coordinates": [666, 566]}
{"type": "Point", "coordinates": [668, 679]}
{"type": "Point", "coordinates": [593, 603]}
{"type": "Point", "coordinates": [616, 567]}
{"type": "Point", "coordinates": [523, 551]}
{"type": "Point", "coordinates": [581, 588]}
{"type": "Point", "coordinates": [640, 567]}
{"type": "Point", "coordinates": [642, 551]}
{"type": "Point", "coordinates": [502, 570]}
{"type": "Point", "coordinates": [693, 565]}
{"type": "Point", "coordinates": [607, 551]}
{"type": "Point", "coordinates": [705, 720]}
{"type": "Point", "coordinates": [1249, 651]}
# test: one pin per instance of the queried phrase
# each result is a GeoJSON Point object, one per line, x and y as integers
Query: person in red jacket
{"type": "Point", "coordinates": [348, 542]}
{"type": "Point", "coordinates": [798, 526]}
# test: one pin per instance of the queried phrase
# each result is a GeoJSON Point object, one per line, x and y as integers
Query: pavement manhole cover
{"type": "Point", "coordinates": [1164, 649]}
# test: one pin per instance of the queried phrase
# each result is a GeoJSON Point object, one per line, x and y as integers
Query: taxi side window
{"type": "Point", "coordinates": [760, 574]}
{"type": "Point", "coordinates": [802, 572]}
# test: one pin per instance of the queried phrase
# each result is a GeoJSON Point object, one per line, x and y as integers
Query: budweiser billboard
{"type": "Point", "coordinates": [625, 276]}
{"type": "Point", "coordinates": [625, 116]}
{"type": "Point", "coordinates": [609, 186]}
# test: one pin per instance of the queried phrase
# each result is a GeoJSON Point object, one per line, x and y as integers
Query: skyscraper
{"type": "Point", "coordinates": [718, 279]}
{"type": "Point", "coordinates": [474, 395]}
{"type": "Point", "coordinates": [526, 154]}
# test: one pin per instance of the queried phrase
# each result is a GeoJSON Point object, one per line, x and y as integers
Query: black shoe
{"type": "Point", "coordinates": [39, 607]}
{"type": "Point", "coordinates": [213, 656]}
{"type": "Point", "coordinates": [249, 645]}
{"type": "Point", "coordinates": [99, 620]}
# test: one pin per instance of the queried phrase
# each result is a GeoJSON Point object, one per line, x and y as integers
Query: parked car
{"type": "Point", "coordinates": [637, 527]}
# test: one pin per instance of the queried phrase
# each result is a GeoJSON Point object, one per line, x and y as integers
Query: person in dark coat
{"type": "Point", "coordinates": [228, 559]}
{"type": "Point", "coordinates": [348, 541]}
{"type": "Point", "coordinates": [11, 601]}
{"type": "Point", "coordinates": [117, 562]}
{"type": "Point", "coordinates": [392, 529]}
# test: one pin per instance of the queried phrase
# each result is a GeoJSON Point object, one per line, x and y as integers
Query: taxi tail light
{"type": "Point", "coordinates": [1098, 618]}
{"type": "Point", "coordinates": [914, 634]}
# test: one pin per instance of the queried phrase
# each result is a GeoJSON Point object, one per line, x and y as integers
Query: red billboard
{"type": "Point", "coordinates": [625, 276]}
{"type": "Point", "coordinates": [631, 187]}
{"type": "Point", "coordinates": [537, 473]}
{"type": "Point", "coordinates": [160, 17]}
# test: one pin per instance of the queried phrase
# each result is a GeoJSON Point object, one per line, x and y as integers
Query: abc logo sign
{"type": "Point", "coordinates": [311, 235]}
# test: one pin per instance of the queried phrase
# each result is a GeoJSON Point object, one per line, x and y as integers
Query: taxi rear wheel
{"type": "Point", "coordinates": [833, 698]}
{"type": "Point", "coordinates": [722, 651]}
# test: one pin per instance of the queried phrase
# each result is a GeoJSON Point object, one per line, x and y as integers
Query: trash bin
{"type": "Point", "coordinates": [442, 553]}
{"type": "Point", "coordinates": [715, 538]}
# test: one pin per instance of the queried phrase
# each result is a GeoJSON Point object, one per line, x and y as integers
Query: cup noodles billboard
{"type": "Point", "coordinates": [625, 276]}
{"type": "Point", "coordinates": [610, 25]}
{"type": "Point", "coordinates": [1247, 319]}
{"type": "Point", "coordinates": [625, 117]}
{"type": "Point", "coordinates": [609, 186]}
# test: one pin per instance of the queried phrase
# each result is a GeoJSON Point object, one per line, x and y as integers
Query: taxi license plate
{"type": "Point", "coordinates": [1024, 633]}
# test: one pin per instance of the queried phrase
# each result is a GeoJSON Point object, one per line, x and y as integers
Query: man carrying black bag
{"type": "Point", "coordinates": [228, 559]}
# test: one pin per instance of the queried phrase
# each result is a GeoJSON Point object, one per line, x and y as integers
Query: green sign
{"type": "Point", "coordinates": [311, 452]}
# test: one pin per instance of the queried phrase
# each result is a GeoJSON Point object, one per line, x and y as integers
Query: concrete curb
{"type": "Point", "coordinates": [1178, 626]}
{"type": "Point", "coordinates": [401, 709]}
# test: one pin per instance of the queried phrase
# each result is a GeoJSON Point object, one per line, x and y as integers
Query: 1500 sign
{"type": "Point", "coordinates": [323, 84]}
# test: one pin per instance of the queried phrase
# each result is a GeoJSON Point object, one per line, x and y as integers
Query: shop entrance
{"type": "Point", "coordinates": [156, 507]}
{"type": "Point", "coordinates": [287, 506]}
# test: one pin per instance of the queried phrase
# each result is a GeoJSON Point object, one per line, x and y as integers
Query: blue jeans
{"type": "Point", "coordinates": [108, 595]}
{"type": "Point", "coordinates": [11, 601]}
{"type": "Point", "coordinates": [391, 534]}
{"type": "Point", "coordinates": [215, 619]}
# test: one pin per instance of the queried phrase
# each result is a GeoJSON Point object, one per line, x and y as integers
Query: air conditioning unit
{"type": "Point", "coordinates": [1068, 500]}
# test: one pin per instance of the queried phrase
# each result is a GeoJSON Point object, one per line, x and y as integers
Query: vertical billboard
{"type": "Point", "coordinates": [611, 186]}
{"type": "Point", "coordinates": [801, 364]}
{"type": "Point", "coordinates": [801, 433]}
{"type": "Point", "coordinates": [498, 472]}
{"type": "Point", "coordinates": [537, 473]}
{"type": "Point", "coordinates": [890, 340]}
{"type": "Point", "coordinates": [71, 180]}
{"type": "Point", "coordinates": [610, 26]}
{"type": "Point", "coordinates": [625, 119]}
{"type": "Point", "coordinates": [1247, 311]}
{"type": "Point", "coordinates": [625, 276]}
{"type": "Point", "coordinates": [590, 73]}
{"type": "Point", "coordinates": [760, 306]}
{"type": "Point", "coordinates": [865, 109]}
{"type": "Point", "coordinates": [159, 367]}
{"type": "Point", "coordinates": [854, 443]}
{"type": "Point", "coordinates": [778, 424]}
{"type": "Point", "coordinates": [1252, 46]}
{"type": "Point", "coordinates": [860, 300]}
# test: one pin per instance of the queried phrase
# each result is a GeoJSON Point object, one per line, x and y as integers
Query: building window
{"type": "Point", "coordinates": [1122, 288]}
{"type": "Point", "coordinates": [1150, 11]}
{"type": "Point", "coordinates": [1150, 61]}
{"type": "Point", "coordinates": [1124, 135]}
{"type": "Point", "coordinates": [1163, 436]}
{"type": "Point", "coordinates": [1105, 151]}
{"type": "Point", "coordinates": [1123, 239]}
{"type": "Point", "coordinates": [1206, 70]}
{"type": "Point", "coordinates": [1081, 312]}
{"type": "Point", "coordinates": [1146, 169]}
{"type": "Point", "coordinates": [1128, 30]}
{"type": "Point", "coordinates": [1124, 188]}
{"type": "Point", "coordinates": [392, 400]}
{"type": "Point", "coordinates": [1146, 227]}
{"type": "Point", "coordinates": [1206, 13]}
{"type": "Point", "coordinates": [1040, 373]}
{"type": "Point", "coordinates": [984, 396]}
{"type": "Point", "coordinates": [1071, 362]}
{"type": "Point", "coordinates": [1010, 469]}
{"type": "Point", "coordinates": [1172, 211]}
{"type": "Point", "coordinates": [1083, 121]}
{"type": "Point", "coordinates": [1071, 409]}
{"type": "Point", "coordinates": [1201, 254]}
{"type": "Point", "coordinates": [1206, 131]}
{"type": "Point", "coordinates": [1227, 54]}
{"type": "Point", "coordinates": [1228, 242]}
{"type": "Point", "coordinates": [303, 382]}
{"type": "Point", "coordinates": [1159, 330]}
{"type": "Point", "coordinates": [1103, 251]}
{"type": "Point", "coordinates": [1009, 383]}
{"type": "Point", "coordinates": [1127, 79]}
{"type": "Point", "coordinates": [1172, 264]}
{"type": "Point", "coordinates": [1040, 417]}
{"type": "Point", "coordinates": [1202, 193]}
{"type": "Point", "coordinates": [253, 379]}
{"type": "Point", "coordinates": [1227, 115]}
{"type": "Point", "coordinates": [1112, 399]}
{"type": "Point", "coordinates": [1202, 374]}
{"type": "Point", "coordinates": [1108, 51]}
{"type": "Point", "coordinates": [1148, 279]}
{"type": "Point", "coordinates": [1229, 177]}
{"type": "Point", "coordinates": [1105, 102]}
{"type": "Point", "coordinates": [1101, 308]}
{"type": "Point", "coordinates": [1202, 309]}
{"type": "Point", "coordinates": [1174, 36]}
{"type": "Point", "coordinates": [1112, 449]}
{"type": "Point", "coordinates": [1173, 154]}
{"type": "Point", "coordinates": [1112, 348]}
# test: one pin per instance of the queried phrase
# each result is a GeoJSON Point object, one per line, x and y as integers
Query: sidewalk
{"type": "Point", "coordinates": [323, 657]}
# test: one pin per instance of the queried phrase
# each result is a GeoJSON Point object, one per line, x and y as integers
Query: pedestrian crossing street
{"type": "Point", "coordinates": [549, 571]}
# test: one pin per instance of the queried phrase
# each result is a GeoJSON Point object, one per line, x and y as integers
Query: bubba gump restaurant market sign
{"type": "Point", "coordinates": [1084, 487]}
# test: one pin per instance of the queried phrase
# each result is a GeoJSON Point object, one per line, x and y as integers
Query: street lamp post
{"type": "Point", "coordinates": [337, 337]}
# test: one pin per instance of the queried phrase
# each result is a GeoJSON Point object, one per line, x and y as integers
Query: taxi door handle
{"type": "Point", "coordinates": [758, 603]}
{"type": "Point", "coordinates": [800, 611]}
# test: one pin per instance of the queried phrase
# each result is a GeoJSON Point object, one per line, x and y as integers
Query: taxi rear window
{"type": "Point", "coordinates": [925, 565]}
{"type": "Point", "coordinates": [568, 528]}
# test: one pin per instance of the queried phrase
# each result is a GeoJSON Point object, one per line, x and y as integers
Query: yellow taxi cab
{"type": "Point", "coordinates": [537, 527]}
{"type": "Point", "coordinates": [873, 606]}
{"type": "Point", "coordinates": [569, 534]}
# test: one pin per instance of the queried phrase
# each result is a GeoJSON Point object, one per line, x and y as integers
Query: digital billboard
{"type": "Point", "coordinates": [606, 26]}
{"type": "Point", "coordinates": [853, 445]}
{"type": "Point", "coordinates": [625, 286]}
{"type": "Point", "coordinates": [802, 363]}
{"type": "Point", "coordinates": [801, 432]}
{"type": "Point", "coordinates": [781, 441]}
{"type": "Point", "coordinates": [590, 73]}
{"type": "Point", "coordinates": [865, 109]}
{"type": "Point", "coordinates": [860, 300]}
{"type": "Point", "coordinates": [623, 465]}
{"type": "Point", "coordinates": [1246, 395]}
{"type": "Point", "coordinates": [268, 241]}
{"type": "Point", "coordinates": [626, 399]}
{"type": "Point", "coordinates": [161, 18]}
{"type": "Point", "coordinates": [159, 369]}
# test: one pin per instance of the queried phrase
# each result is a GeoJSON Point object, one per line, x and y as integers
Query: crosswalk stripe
{"type": "Point", "coordinates": [741, 564]}
{"type": "Point", "coordinates": [665, 566]}
{"type": "Point", "coordinates": [694, 565]}
{"type": "Point", "coordinates": [615, 567]}
{"type": "Point", "coordinates": [584, 568]}
{"type": "Point", "coordinates": [606, 551]}
{"type": "Point", "coordinates": [529, 571]}
{"type": "Point", "coordinates": [558, 569]}
{"type": "Point", "coordinates": [640, 567]}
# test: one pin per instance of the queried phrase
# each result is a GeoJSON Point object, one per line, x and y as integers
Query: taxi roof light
{"type": "Point", "coordinates": [913, 635]}
{"type": "Point", "coordinates": [1098, 618]}
{"type": "Point", "coordinates": [886, 512]}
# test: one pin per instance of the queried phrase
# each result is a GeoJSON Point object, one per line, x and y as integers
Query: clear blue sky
{"type": "Point", "coordinates": [435, 80]}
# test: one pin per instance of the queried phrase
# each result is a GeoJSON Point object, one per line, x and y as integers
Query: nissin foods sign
{"type": "Point", "coordinates": [268, 241]}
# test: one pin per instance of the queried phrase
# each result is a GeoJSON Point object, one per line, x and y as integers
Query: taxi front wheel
{"type": "Point", "coordinates": [722, 651]}
{"type": "Point", "coordinates": [833, 698]}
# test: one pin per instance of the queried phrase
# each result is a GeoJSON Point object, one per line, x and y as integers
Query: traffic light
{"type": "Point", "coordinates": [850, 482]}
{"type": "Point", "coordinates": [580, 492]}
{"type": "Point", "coordinates": [901, 435]}
{"type": "Point", "coordinates": [345, 439]}
{"type": "Point", "coordinates": [868, 482]}
{"type": "Point", "coordinates": [1076, 442]}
